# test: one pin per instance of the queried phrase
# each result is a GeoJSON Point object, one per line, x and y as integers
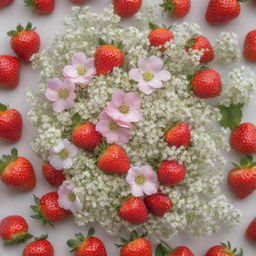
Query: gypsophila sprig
{"type": "Point", "coordinates": [199, 207]}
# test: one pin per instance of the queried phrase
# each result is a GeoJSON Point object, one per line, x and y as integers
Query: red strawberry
{"type": "Point", "coordinates": [14, 230]}
{"type": "Point", "coordinates": [78, 1]}
{"type": "Point", "coordinates": [107, 57]}
{"type": "Point", "coordinates": [40, 247]}
{"type": "Point", "coordinates": [178, 136]}
{"type": "Point", "coordinates": [47, 209]}
{"type": "Point", "coordinates": [25, 41]}
{"type": "Point", "coordinates": [114, 160]}
{"type": "Point", "coordinates": [221, 11]}
{"type": "Point", "coordinates": [44, 7]}
{"type": "Point", "coordinates": [165, 250]}
{"type": "Point", "coordinates": [133, 210]}
{"type": "Point", "coordinates": [127, 8]}
{"type": "Point", "coordinates": [177, 8]}
{"type": "Point", "coordinates": [87, 246]}
{"type": "Point", "coordinates": [223, 250]}
{"type": "Point", "coordinates": [84, 134]}
{"type": "Point", "coordinates": [251, 231]}
{"type": "Point", "coordinates": [159, 36]}
{"type": "Point", "coordinates": [53, 176]}
{"type": "Point", "coordinates": [9, 72]}
{"type": "Point", "coordinates": [201, 43]}
{"type": "Point", "coordinates": [5, 2]}
{"type": "Point", "coordinates": [207, 84]}
{"type": "Point", "coordinates": [250, 46]}
{"type": "Point", "coordinates": [11, 124]}
{"type": "Point", "coordinates": [158, 204]}
{"type": "Point", "coordinates": [242, 179]}
{"type": "Point", "coordinates": [135, 246]}
{"type": "Point", "coordinates": [243, 138]}
{"type": "Point", "coordinates": [17, 172]}
{"type": "Point", "coordinates": [171, 173]}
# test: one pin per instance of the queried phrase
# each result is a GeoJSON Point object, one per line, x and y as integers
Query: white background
{"type": "Point", "coordinates": [15, 202]}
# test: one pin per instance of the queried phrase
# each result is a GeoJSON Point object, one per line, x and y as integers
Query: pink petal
{"type": "Point", "coordinates": [81, 80]}
{"type": "Point", "coordinates": [163, 75]}
{"type": "Point", "coordinates": [135, 75]}
{"type": "Point", "coordinates": [155, 64]}
{"type": "Point", "coordinates": [70, 72]}
{"type": "Point", "coordinates": [69, 84]}
{"type": "Point", "coordinates": [105, 116]}
{"type": "Point", "coordinates": [118, 98]}
{"type": "Point", "coordinates": [112, 137]}
{"type": "Point", "coordinates": [89, 64]}
{"type": "Point", "coordinates": [112, 111]}
{"type": "Point", "coordinates": [124, 135]}
{"type": "Point", "coordinates": [145, 88]}
{"type": "Point", "coordinates": [55, 84]}
{"type": "Point", "coordinates": [155, 84]}
{"type": "Point", "coordinates": [123, 124]}
{"type": "Point", "coordinates": [91, 72]}
{"type": "Point", "coordinates": [132, 99]}
{"type": "Point", "coordinates": [79, 59]}
{"type": "Point", "coordinates": [102, 127]}
{"type": "Point", "coordinates": [130, 178]}
{"type": "Point", "coordinates": [150, 188]}
{"type": "Point", "coordinates": [59, 105]}
{"type": "Point", "coordinates": [143, 65]}
{"type": "Point", "coordinates": [134, 115]}
{"type": "Point", "coordinates": [51, 94]}
{"type": "Point", "coordinates": [137, 190]}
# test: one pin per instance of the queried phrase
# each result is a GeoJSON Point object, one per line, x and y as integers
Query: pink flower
{"type": "Point", "coordinates": [150, 74]}
{"type": "Point", "coordinates": [124, 108]}
{"type": "Point", "coordinates": [112, 131]}
{"type": "Point", "coordinates": [68, 199]}
{"type": "Point", "coordinates": [61, 93]}
{"type": "Point", "coordinates": [82, 69]}
{"type": "Point", "coordinates": [142, 180]}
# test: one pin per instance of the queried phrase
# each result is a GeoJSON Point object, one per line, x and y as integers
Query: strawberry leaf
{"type": "Point", "coordinates": [42, 237]}
{"type": "Point", "coordinates": [231, 116]}
{"type": "Point", "coordinates": [3, 107]}
{"type": "Point", "coordinates": [161, 250]}
{"type": "Point", "coordinates": [18, 239]}
{"type": "Point", "coordinates": [153, 26]}
{"type": "Point", "coordinates": [91, 232]}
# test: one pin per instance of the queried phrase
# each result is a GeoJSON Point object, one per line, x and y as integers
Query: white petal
{"type": "Point", "coordinates": [155, 64]}
{"type": "Point", "coordinates": [137, 190]}
{"type": "Point", "coordinates": [67, 163]}
{"type": "Point", "coordinates": [150, 188]}
{"type": "Point", "coordinates": [135, 75]}
{"type": "Point", "coordinates": [56, 162]}
{"type": "Point", "coordinates": [163, 75]}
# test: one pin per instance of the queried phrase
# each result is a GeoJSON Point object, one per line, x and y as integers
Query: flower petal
{"type": "Point", "coordinates": [51, 95]}
{"type": "Point", "coordinates": [145, 88]}
{"type": "Point", "coordinates": [67, 163]}
{"type": "Point", "coordinates": [155, 84]}
{"type": "Point", "coordinates": [137, 190]}
{"type": "Point", "coordinates": [55, 84]}
{"type": "Point", "coordinates": [79, 59]}
{"type": "Point", "coordinates": [150, 188]}
{"type": "Point", "coordinates": [143, 65]}
{"type": "Point", "coordinates": [135, 75]}
{"type": "Point", "coordinates": [132, 99]}
{"type": "Point", "coordinates": [59, 105]}
{"type": "Point", "coordinates": [70, 72]}
{"type": "Point", "coordinates": [55, 161]}
{"type": "Point", "coordinates": [155, 64]}
{"type": "Point", "coordinates": [117, 98]}
{"type": "Point", "coordinates": [163, 75]}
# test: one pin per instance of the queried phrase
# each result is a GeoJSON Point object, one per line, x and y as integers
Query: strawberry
{"type": "Point", "coordinates": [250, 46]}
{"type": "Point", "coordinates": [47, 209]}
{"type": "Point", "coordinates": [78, 1]}
{"type": "Point", "coordinates": [14, 230]}
{"type": "Point", "coordinates": [133, 210]}
{"type": "Point", "coordinates": [201, 43]}
{"type": "Point", "coordinates": [43, 7]}
{"type": "Point", "coordinates": [170, 173]}
{"type": "Point", "coordinates": [40, 247]}
{"type": "Point", "coordinates": [9, 72]}
{"type": "Point", "coordinates": [242, 179]}
{"type": "Point", "coordinates": [159, 36]}
{"type": "Point", "coordinates": [113, 159]}
{"type": "Point", "coordinates": [179, 135]}
{"type": "Point", "coordinates": [127, 8]}
{"type": "Point", "coordinates": [11, 124]}
{"type": "Point", "coordinates": [107, 57]}
{"type": "Point", "coordinates": [87, 246]}
{"type": "Point", "coordinates": [165, 250]}
{"type": "Point", "coordinates": [207, 84]}
{"type": "Point", "coordinates": [243, 138]}
{"type": "Point", "coordinates": [177, 8]}
{"type": "Point", "coordinates": [17, 172]}
{"type": "Point", "coordinates": [251, 231]}
{"type": "Point", "coordinates": [135, 246]}
{"type": "Point", "coordinates": [158, 204]}
{"type": "Point", "coordinates": [223, 250]}
{"type": "Point", "coordinates": [222, 11]}
{"type": "Point", "coordinates": [25, 41]}
{"type": "Point", "coordinates": [5, 2]}
{"type": "Point", "coordinates": [53, 176]}
{"type": "Point", "coordinates": [84, 134]}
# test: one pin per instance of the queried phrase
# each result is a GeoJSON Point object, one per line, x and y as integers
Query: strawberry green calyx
{"type": "Point", "coordinates": [18, 239]}
{"type": "Point", "coordinates": [168, 6]}
{"type": "Point", "coordinates": [163, 249]}
{"type": "Point", "coordinates": [76, 120]}
{"type": "Point", "coordinates": [3, 107]}
{"type": "Point", "coordinates": [231, 116]}
{"type": "Point", "coordinates": [232, 252]}
{"type": "Point", "coordinates": [191, 41]}
{"type": "Point", "coordinates": [101, 148]}
{"type": "Point", "coordinates": [153, 26]}
{"type": "Point", "coordinates": [20, 29]}
{"type": "Point", "coordinates": [242, 1]}
{"type": "Point", "coordinates": [42, 237]}
{"type": "Point", "coordinates": [39, 215]}
{"type": "Point", "coordinates": [118, 45]}
{"type": "Point", "coordinates": [245, 162]}
{"type": "Point", "coordinates": [134, 235]}
{"type": "Point", "coordinates": [75, 244]}
{"type": "Point", "coordinates": [7, 159]}
{"type": "Point", "coordinates": [30, 3]}
{"type": "Point", "coordinates": [155, 161]}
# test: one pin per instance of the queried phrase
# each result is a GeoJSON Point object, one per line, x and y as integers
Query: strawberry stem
{"type": "Point", "coordinates": [3, 107]}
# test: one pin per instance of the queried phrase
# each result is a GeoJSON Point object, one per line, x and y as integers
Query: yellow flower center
{"type": "Point", "coordinates": [63, 93]}
{"type": "Point", "coordinates": [81, 71]}
{"type": "Point", "coordinates": [148, 76]}
{"type": "Point", "coordinates": [140, 179]}
{"type": "Point", "coordinates": [113, 125]}
{"type": "Point", "coordinates": [124, 108]}
{"type": "Point", "coordinates": [63, 154]}
{"type": "Point", "coordinates": [71, 196]}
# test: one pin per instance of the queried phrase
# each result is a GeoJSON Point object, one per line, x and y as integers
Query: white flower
{"type": "Point", "coordinates": [61, 156]}
{"type": "Point", "coordinates": [142, 180]}
{"type": "Point", "coordinates": [68, 199]}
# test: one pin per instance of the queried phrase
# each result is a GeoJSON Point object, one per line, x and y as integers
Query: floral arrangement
{"type": "Point", "coordinates": [132, 106]}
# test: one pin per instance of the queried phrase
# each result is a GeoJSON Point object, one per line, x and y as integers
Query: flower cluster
{"type": "Point", "coordinates": [153, 91]}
